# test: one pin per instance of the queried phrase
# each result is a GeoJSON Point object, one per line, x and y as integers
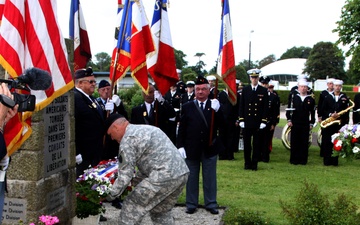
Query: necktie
{"type": "Point", "coordinates": [254, 89]}
{"type": "Point", "coordinates": [202, 106]}
{"type": "Point", "coordinates": [151, 110]}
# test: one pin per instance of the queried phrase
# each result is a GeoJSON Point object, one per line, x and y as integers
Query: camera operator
{"type": "Point", "coordinates": [5, 115]}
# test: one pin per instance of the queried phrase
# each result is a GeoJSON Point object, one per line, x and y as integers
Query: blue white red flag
{"type": "Point", "coordinates": [226, 59]}
{"type": "Point", "coordinates": [78, 33]}
{"type": "Point", "coordinates": [134, 44]}
{"type": "Point", "coordinates": [28, 40]}
{"type": "Point", "coordinates": [162, 64]}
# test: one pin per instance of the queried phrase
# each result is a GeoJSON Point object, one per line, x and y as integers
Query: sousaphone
{"type": "Point", "coordinates": [285, 136]}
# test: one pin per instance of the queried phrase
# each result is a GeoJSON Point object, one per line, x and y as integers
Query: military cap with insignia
{"type": "Point", "coordinates": [201, 80]}
{"type": "Point", "coordinates": [81, 73]}
{"type": "Point", "coordinates": [254, 72]}
{"type": "Point", "coordinates": [103, 83]}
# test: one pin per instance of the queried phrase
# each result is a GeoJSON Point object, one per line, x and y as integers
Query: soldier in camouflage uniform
{"type": "Point", "coordinates": [161, 176]}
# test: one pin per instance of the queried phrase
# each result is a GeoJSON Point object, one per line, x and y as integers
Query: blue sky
{"type": "Point", "coordinates": [278, 25]}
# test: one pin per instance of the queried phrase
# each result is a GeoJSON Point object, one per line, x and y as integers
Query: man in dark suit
{"type": "Point", "coordinates": [253, 112]}
{"type": "Point", "coordinates": [194, 144]}
{"type": "Point", "coordinates": [116, 105]}
{"type": "Point", "coordinates": [89, 121]}
{"type": "Point", "coordinates": [228, 132]}
{"type": "Point", "coordinates": [173, 96]}
{"type": "Point", "coordinates": [154, 111]}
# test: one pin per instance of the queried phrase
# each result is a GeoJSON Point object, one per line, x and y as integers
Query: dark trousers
{"type": "Point", "coordinates": [299, 142]}
{"type": "Point", "coordinates": [265, 151]}
{"type": "Point", "coordinates": [327, 145]}
{"type": "Point", "coordinates": [252, 138]}
{"type": "Point", "coordinates": [209, 182]}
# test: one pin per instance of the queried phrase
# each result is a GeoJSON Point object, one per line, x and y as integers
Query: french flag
{"type": "Point", "coordinates": [226, 59]}
{"type": "Point", "coordinates": [134, 45]}
{"type": "Point", "coordinates": [162, 65]}
{"type": "Point", "coordinates": [78, 33]}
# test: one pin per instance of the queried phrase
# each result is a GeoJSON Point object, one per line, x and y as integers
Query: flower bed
{"type": "Point", "coordinates": [346, 142]}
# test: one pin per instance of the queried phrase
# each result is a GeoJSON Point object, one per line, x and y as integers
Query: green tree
{"type": "Point", "coordinates": [296, 52]}
{"type": "Point", "coordinates": [188, 74]}
{"type": "Point", "coordinates": [102, 62]}
{"type": "Point", "coordinates": [267, 60]}
{"type": "Point", "coordinates": [348, 27]}
{"type": "Point", "coordinates": [180, 61]}
{"type": "Point", "coordinates": [353, 74]}
{"type": "Point", "coordinates": [245, 64]}
{"type": "Point", "coordinates": [241, 73]}
{"type": "Point", "coordinates": [325, 59]}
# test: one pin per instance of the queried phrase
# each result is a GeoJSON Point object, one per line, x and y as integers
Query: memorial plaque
{"type": "Point", "coordinates": [14, 210]}
{"type": "Point", "coordinates": [56, 199]}
{"type": "Point", "coordinates": [56, 120]}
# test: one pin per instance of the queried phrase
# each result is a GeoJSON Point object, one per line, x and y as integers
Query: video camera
{"type": "Point", "coordinates": [33, 79]}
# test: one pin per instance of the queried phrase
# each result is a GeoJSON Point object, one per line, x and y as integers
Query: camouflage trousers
{"type": "Point", "coordinates": [155, 198]}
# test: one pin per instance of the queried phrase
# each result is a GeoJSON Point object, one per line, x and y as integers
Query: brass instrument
{"type": "Point", "coordinates": [330, 121]}
{"type": "Point", "coordinates": [285, 137]}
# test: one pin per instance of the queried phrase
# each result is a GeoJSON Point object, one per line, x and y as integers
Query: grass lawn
{"type": "Point", "coordinates": [261, 190]}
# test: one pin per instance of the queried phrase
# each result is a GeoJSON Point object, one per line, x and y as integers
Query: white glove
{"type": "Point", "coordinates": [182, 152]}
{"type": "Point", "coordinates": [78, 159]}
{"type": "Point", "coordinates": [116, 99]}
{"type": "Point", "coordinates": [215, 104]}
{"type": "Point", "coordinates": [242, 124]}
{"type": "Point", "coordinates": [4, 163]}
{"type": "Point", "coordinates": [109, 106]}
{"type": "Point", "coordinates": [158, 96]}
{"type": "Point", "coordinates": [262, 125]}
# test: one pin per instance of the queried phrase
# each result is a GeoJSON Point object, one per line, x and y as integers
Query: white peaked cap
{"type": "Point", "coordinates": [302, 82]}
{"type": "Point", "coordinates": [338, 82]}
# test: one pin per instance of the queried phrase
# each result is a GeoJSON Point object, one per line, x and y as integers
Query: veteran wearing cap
{"type": "Point", "coordinates": [211, 79]}
{"type": "Point", "coordinates": [253, 113]}
{"type": "Point", "coordinates": [89, 122]}
{"type": "Point", "coordinates": [161, 171]}
{"type": "Point", "coordinates": [333, 103]}
{"type": "Point", "coordinates": [301, 120]}
{"type": "Point", "coordinates": [194, 142]}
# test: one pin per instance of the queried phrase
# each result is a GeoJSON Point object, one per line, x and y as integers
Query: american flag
{"type": "Point", "coordinates": [27, 40]}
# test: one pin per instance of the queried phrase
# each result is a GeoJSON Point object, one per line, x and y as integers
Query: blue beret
{"type": "Point", "coordinates": [103, 83]}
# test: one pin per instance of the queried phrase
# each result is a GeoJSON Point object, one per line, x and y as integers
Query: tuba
{"type": "Point", "coordinates": [330, 121]}
{"type": "Point", "coordinates": [285, 137]}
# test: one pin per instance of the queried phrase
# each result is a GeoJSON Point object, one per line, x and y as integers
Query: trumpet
{"type": "Point", "coordinates": [330, 121]}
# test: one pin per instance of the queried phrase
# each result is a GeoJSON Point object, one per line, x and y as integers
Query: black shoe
{"type": "Point", "coordinates": [103, 218]}
{"type": "Point", "coordinates": [190, 210]}
{"type": "Point", "coordinates": [247, 167]}
{"type": "Point", "coordinates": [213, 211]}
{"type": "Point", "coordinates": [254, 167]}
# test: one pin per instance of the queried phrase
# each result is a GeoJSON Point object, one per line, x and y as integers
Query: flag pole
{"type": "Point", "coordinates": [118, 51]}
{"type": "Point", "coordinates": [213, 112]}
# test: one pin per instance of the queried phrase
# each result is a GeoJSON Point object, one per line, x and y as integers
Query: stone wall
{"type": "Point", "coordinates": [41, 175]}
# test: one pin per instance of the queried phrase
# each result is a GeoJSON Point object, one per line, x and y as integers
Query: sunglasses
{"type": "Point", "coordinates": [90, 81]}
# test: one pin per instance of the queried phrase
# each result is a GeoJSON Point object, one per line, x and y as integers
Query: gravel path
{"type": "Point", "coordinates": [200, 217]}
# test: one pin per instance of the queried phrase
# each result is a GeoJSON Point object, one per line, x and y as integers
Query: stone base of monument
{"type": "Point", "coordinates": [90, 220]}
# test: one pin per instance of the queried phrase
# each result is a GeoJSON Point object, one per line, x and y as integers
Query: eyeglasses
{"type": "Point", "coordinates": [90, 81]}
